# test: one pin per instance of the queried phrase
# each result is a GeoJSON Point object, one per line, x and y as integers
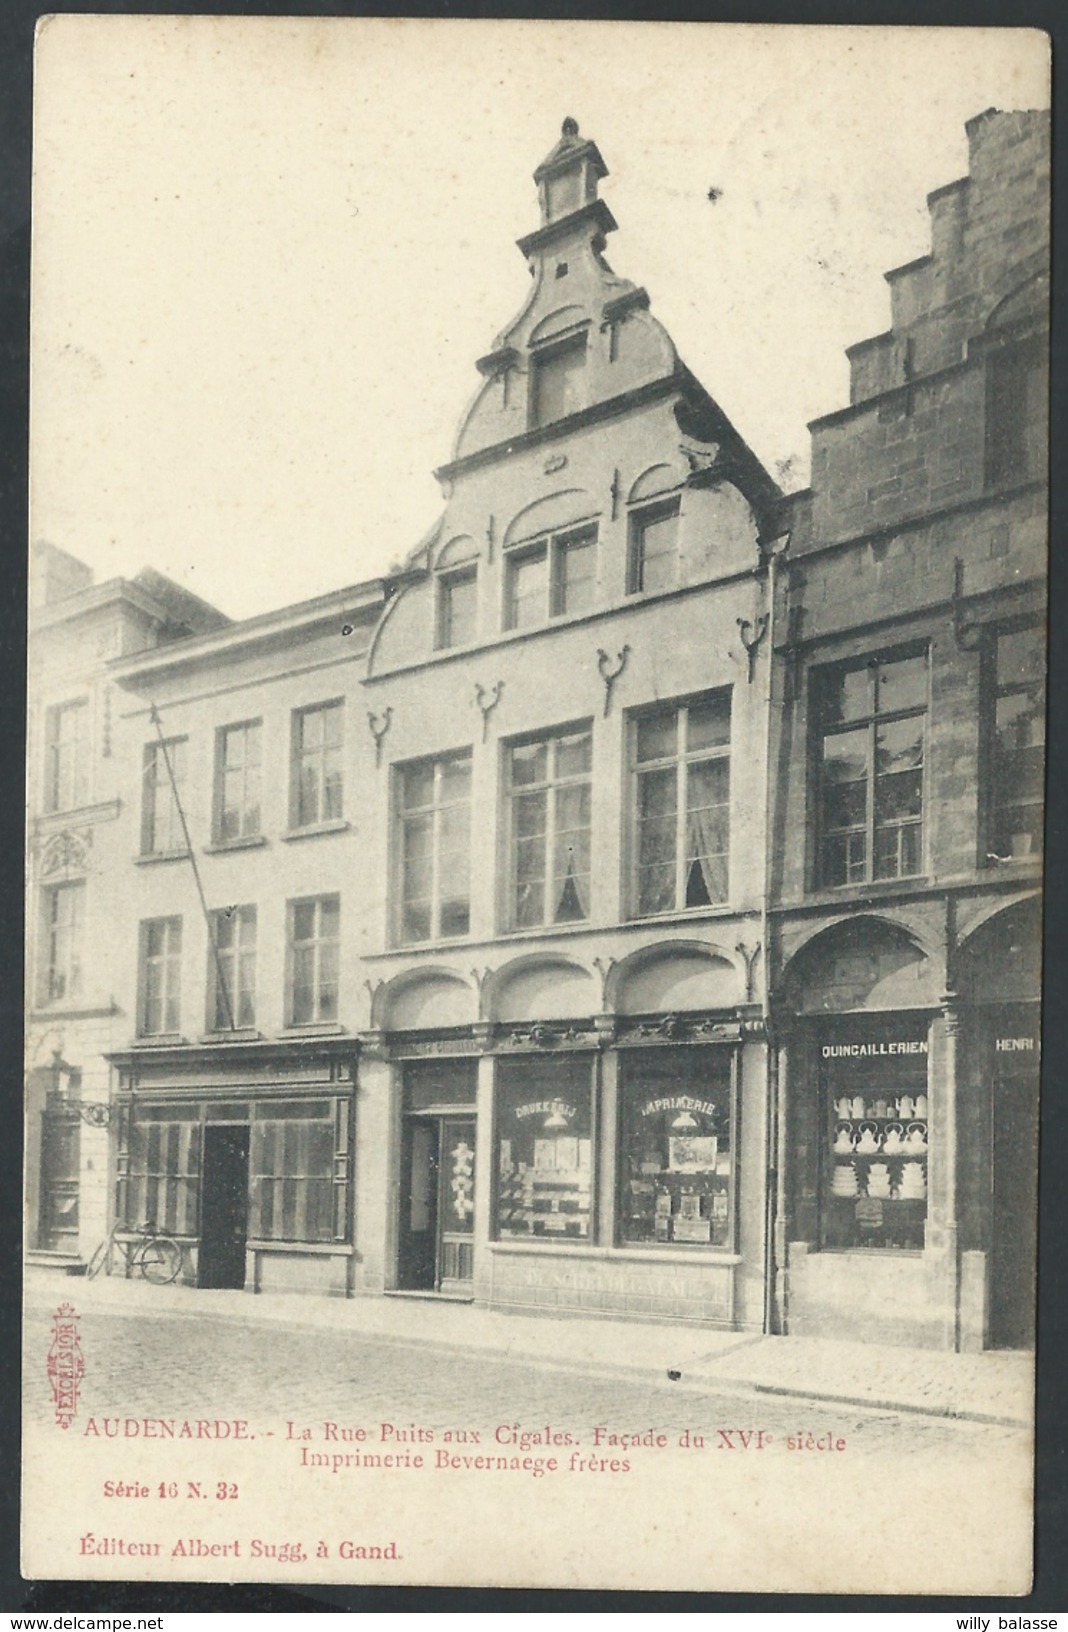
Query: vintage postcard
{"type": "Point", "coordinates": [535, 796]}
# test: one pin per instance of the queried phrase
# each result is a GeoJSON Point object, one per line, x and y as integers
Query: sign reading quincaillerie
{"type": "Point", "coordinates": [856, 1051]}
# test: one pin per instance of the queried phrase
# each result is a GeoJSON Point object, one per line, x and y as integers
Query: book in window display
{"type": "Point", "coordinates": [676, 1156]}
{"type": "Point", "coordinates": [544, 1150]}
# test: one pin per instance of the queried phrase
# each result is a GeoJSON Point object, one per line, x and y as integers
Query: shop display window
{"type": "Point", "coordinates": [291, 1177]}
{"type": "Point", "coordinates": [162, 1178]}
{"type": "Point", "coordinates": [545, 1149]}
{"type": "Point", "coordinates": [876, 1134]}
{"type": "Point", "coordinates": [677, 1148]}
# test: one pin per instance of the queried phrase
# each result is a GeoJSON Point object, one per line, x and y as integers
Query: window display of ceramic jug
{"type": "Point", "coordinates": [868, 1143]}
{"type": "Point", "coordinates": [844, 1106]}
{"type": "Point", "coordinates": [858, 1105]}
{"type": "Point", "coordinates": [894, 1143]}
{"type": "Point", "coordinates": [921, 1104]}
{"type": "Point", "coordinates": [916, 1138]}
{"type": "Point", "coordinates": [843, 1144]}
{"type": "Point", "coordinates": [906, 1106]}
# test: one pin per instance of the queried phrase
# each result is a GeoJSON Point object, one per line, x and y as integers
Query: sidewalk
{"type": "Point", "coordinates": [993, 1387]}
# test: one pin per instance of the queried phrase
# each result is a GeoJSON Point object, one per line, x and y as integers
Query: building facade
{"type": "Point", "coordinates": [598, 913]}
{"type": "Point", "coordinates": [911, 678]}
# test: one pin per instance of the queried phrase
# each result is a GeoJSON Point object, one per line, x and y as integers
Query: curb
{"type": "Point", "coordinates": [701, 1377]}
{"type": "Point", "coordinates": [945, 1413]}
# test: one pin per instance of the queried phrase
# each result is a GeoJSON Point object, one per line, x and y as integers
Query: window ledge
{"type": "Point", "coordinates": [317, 1249]}
{"type": "Point", "coordinates": [314, 829]}
{"type": "Point", "coordinates": [72, 1011]}
{"type": "Point", "coordinates": [669, 1254]}
{"type": "Point", "coordinates": [829, 894]}
{"type": "Point", "coordinates": [220, 846]}
{"type": "Point", "coordinates": [160, 1039]}
{"type": "Point", "coordinates": [49, 821]}
{"type": "Point", "coordinates": [152, 857]}
{"type": "Point", "coordinates": [315, 1028]}
{"type": "Point", "coordinates": [238, 1034]}
{"type": "Point", "coordinates": [687, 915]}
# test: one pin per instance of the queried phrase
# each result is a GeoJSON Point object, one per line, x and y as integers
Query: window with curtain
{"type": "Point", "coordinates": [681, 768]}
{"type": "Point", "coordinates": [549, 796]}
{"type": "Point", "coordinates": [435, 848]}
{"type": "Point", "coordinates": [871, 719]}
{"type": "Point", "coordinates": [552, 577]}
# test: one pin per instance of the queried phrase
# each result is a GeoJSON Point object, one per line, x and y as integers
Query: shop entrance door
{"type": "Point", "coordinates": [1013, 1220]}
{"type": "Point", "coordinates": [224, 1207]}
{"type": "Point", "coordinates": [437, 1205]}
{"type": "Point", "coordinates": [60, 1164]}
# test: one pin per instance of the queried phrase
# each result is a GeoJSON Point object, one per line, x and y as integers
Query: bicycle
{"type": "Point", "coordinates": [142, 1247]}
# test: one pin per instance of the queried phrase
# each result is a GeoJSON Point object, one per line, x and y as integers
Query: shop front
{"type": "Point", "coordinates": [617, 1175]}
{"type": "Point", "coordinates": [602, 1159]}
{"type": "Point", "coordinates": [245, 1158]}
{"type": "Point", "coordinates": [868, 1137]}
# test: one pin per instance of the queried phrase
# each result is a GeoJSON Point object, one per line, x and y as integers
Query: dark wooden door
{"type": "Point", "coordinates": [417, 1264]}
{"type": "Point", "coordinates": [60, 1177]}
{"type": "Point", "coordinates": [1014, 1215]}
{"type": "Point", "coordinates": [224, 1207]}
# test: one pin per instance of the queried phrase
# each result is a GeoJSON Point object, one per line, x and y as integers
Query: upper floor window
{"type": "Point", "coordinates": [653, 548]}
{"type": "Point", "coordinates": [317, 780]}
{"type": "Point", "coordinates": [871, 720]}
{"type": "Point", "coordinates": [458, 607]}
{"type": "Point", "coordinates": [161, 977]}
{"type": "Point", "coordinates": [1017, 408]}
{"type": "Point", "coordinates": [549, 795]}
{"type": "Point", "coordinates": [161, 821]}
{"type": "Point", "coordinates": [64, 921]}
{"type": "Point", "coordinates": [67, 755]}
{"type": "Point", "coordinates": [232, 971]}
{"type": "Point", "coordinates": [314, 937]}
{"type": "Point", "coordinates": [557, 380]}
{"type": "Point", "coordinates": [237, 782]}
{"type": "Point", "coordinates": [550, 578]}
{"type": "Point", "coordinates": [681, 765]}
{"type": "Point", "coordinates": [435, 848]}
{"type": "Point", "coordinates": [1019, 742]}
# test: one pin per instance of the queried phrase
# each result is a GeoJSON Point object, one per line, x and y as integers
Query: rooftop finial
{"type": "Point", "coordinates": [569, 127]}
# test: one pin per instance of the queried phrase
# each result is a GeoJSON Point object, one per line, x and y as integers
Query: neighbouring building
{"type": "Point", "coordinates": [605, 911]}
{"type": "Point", "coordinates": [908, 790]}
{"type": "Point", "coordinates": [78, 784]}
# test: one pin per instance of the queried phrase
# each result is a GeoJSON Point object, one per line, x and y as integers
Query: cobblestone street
{"type": "Point", "coordinates": [204, 1364]}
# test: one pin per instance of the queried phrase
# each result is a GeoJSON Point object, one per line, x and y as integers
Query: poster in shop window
{"type": "Point", "coordinates": [535, 804]}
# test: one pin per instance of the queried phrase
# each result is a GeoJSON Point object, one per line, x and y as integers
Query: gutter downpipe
{"type": "Point", "coordinates": [775, 1127]}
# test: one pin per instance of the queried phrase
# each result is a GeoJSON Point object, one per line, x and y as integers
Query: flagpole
{"type": "Point", "coordinates": [223, 987]}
